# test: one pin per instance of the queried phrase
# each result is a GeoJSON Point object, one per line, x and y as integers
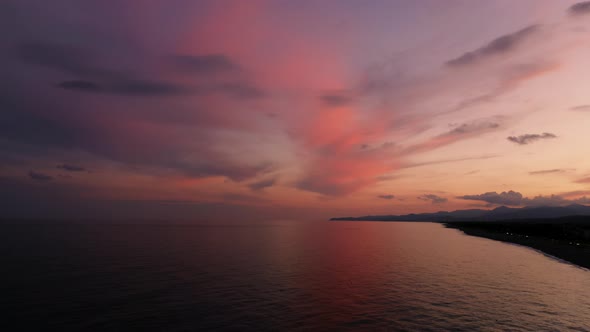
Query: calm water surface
{"type": "Point", "coordinates": [283, 276]}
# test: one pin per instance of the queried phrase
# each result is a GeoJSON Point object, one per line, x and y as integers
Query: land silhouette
{"type": "Point", "coordinates": [499, 213]}
{"type": "Point", "coordinates": [561, 232]}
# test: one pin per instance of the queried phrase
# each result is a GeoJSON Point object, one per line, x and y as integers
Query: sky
{"type": "Point", "coordinates": [219, 110]}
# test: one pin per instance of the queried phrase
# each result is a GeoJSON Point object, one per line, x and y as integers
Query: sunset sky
{"type": "Point", "coordinates": [216, 110]}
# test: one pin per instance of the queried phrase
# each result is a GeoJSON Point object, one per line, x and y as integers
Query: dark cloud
{"type": "Point", "coordinates": [40, 176]}
{"type": "Point", "coordinates": [71, 168]}
{"type": "Point", "coordinates": [548, 171]}
{"type": "Point", "coordinates": [48, 106]}
{"type": "Point", "coordinates": [139, 87]}
{"type": "Point", "coordinates": [554, 200]}
{"type": "Point", "coordinates": [80, 85]}
{"type": "Point", "coordinates": [529, 138]}
{"type": "Point", "coordinates": [221, 167]}
{"type": "Point", "coordinates": [336, 98]}
{"type": "Point", "coordinates": [444, 161]}
{"type": "Point", "coordinates": [67, 201]}
{"type": "Point", "coordinates": [472, 127]}
{"type": "Point", "coordinates": [387, 145]}
{"type": "Point", "coordinates": [513, 198]}
{"type": "Point", "coordinates": [580, 8]}
{"type": "Point", "coordinates": [581, 108]}
{"type": "Point", "coordinates": [129, 87]}
{"type": "Point", "coordinates": [387, 177]}
{"type": "Point", "coordinates": [262, 184]}
{"type": "Point", "coordinates": [512, 77]}
{"type": "Point", "coordinates": [136, 87]}
{"type": "Point", "coordinates": [575, 193]}
{"type": "Point", "coordinates": [497, 46]}
{"type": "Point", "coordinates": [239, 90]}
{"type": "Point", "coordinates": [204, 64]}
{"type": "Point", "coordinates": [209, 66]}
{"type": "Point", "coordinates": [324, 180]}
{"type": "Point", "coordinates": [386, 196]}
{"type": "Point", "coordinates": [44, 125]}
{"type": "Point", "coordinates": [21, 121]}
{"type": "Point", "coordinates": [463, 131]}
{"type": "Point", "coordinates": [434, 199]}
{"type": "Point", "coordinates": [91, 75]}
{"type": "Point", "coordinates": [241, 198]}
{"type": "Point", "coordinates": [83, 63]}
{"type": "Point", "coordinates": [310, 183]}
{"type": "Point", "coordinates": [487, 97]}
{"type": "Point", "coordinates": [510, 198]}
{"type": "Point", "coordinates": [66, 58]}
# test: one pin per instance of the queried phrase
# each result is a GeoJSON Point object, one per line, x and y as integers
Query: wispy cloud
{"type": "Point", "coordinates": [500, 45]}
{"type": "Point", "coordinates": [529, 138]}
{"type": "Point", "coordinates": [581, 108]}
{"type": "Point", "coordinates": [41, 177]}
{"type": "Point", "coordinates": [444, 161]}
{"type": "Point", "coordinates": [583, 180]}
{"type": "Point", "coordinates": [386, 196]}
{"type": "Point", "coordinates": [580, 8]}
{"type": "Point", "coordinates": [512, 76]}
{"type": "Point", "coordinates": [130, 87]}
{"type": "Point", "coordinates": [206, 64]}
{"type": "Point", "coordinates": [337, 98]}
{"type": "Point", "coordinates": [262, 184]}
{"type": "Point", "coordinates": [460, 132]}
{"type": "Point", "coordinates": [71, 168]}
{"type": "Point", "coordinates": [549, 171]}
{"type": "Point", "coordinates": [434, 199]}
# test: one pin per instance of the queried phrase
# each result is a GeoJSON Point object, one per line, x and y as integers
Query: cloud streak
{"type": "Point", "coordinates": [388, 197]}
{"type": "Point", "coordinates": [71, 168]}
{"type": "Point", "coordinates": [432, 198]}
{"type": "Point", "coordinates": [581, 108]}
{"type": "Point", "coordinates": [262, 184]}
{"type": "Point", "coordinates": [549, 171]}
{"type": "Point", "coordinates": [530, 138]}
{"type": "Point", "coordinates": [513, 198]}
{"type": "Point", "coordinates": [207, 64]}
{"type": "Point", "coordinates": [580, 8]}
{"type": "Point", "coordinates": [40, 177]}
{"type": "Point", "coordinates": [501, 45]}
{"type": "Point", "coordinates": [336, 98]}
{"type": "Point", "coordinates": [460, 132]}
{"type": "Point", "coordinates": [510, 198]}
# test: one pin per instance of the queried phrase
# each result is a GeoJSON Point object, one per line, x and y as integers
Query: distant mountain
{"type": "Point", "coordinates": [499, 213]}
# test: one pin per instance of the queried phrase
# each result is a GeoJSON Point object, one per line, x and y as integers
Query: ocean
{"type": "Point", "coordinates": [274, 276]}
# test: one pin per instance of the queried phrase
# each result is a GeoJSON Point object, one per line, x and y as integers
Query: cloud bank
{"type": "Point", "coordinates": [513, 198]}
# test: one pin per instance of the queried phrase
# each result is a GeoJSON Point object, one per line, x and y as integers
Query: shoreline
{"type": "Point", "coordinates": [558, 246]}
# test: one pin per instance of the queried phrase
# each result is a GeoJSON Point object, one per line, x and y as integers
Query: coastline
{"type": "Point", "coordinates": [552, 241]}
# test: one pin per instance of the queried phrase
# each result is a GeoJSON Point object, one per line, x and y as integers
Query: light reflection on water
{"type": "Point", "coordinates": [311, 275]}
